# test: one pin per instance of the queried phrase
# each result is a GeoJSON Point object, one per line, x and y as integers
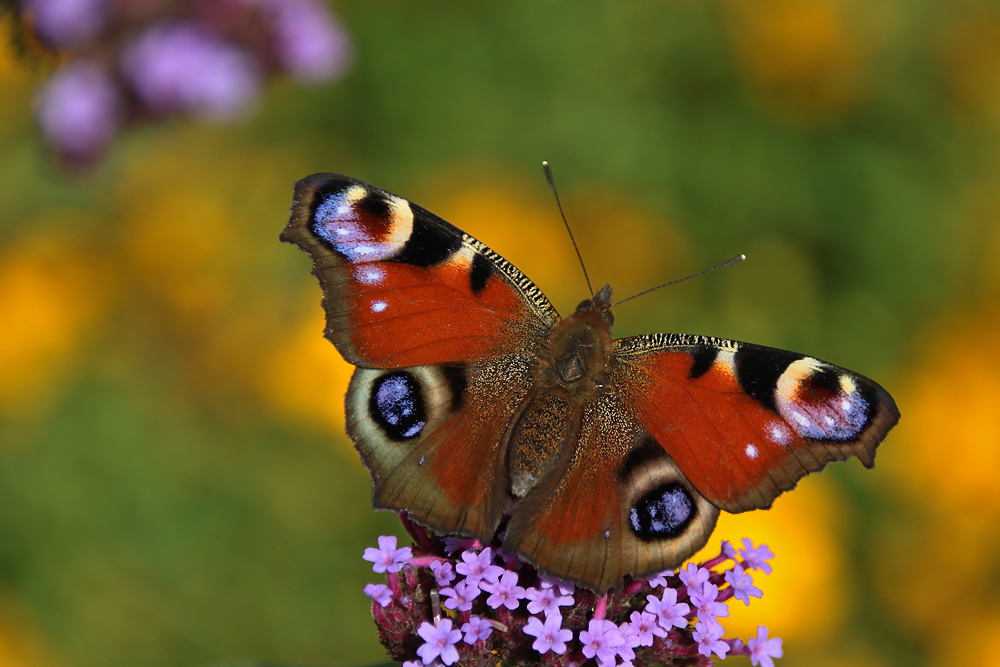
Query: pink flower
{"type": "Point", "coordinates": [461, 596]}
{"type": "Point", "coordinates": [439, 641]}
{"type": "Point", "coordinates": [550, 635]}
{"type": "Point", "coordinates": [705, 602]}
{"type": "Point", "coordinates": [443, 571]}
{"type": "Point", "coordinates": [379, 593]}
{"type": "Point", "coordinates": [505, 591]}
{"type": "Point", "coordinates": [478, 567]}
{"type": "Point", "coordinates": [387, 558]}
{"type": "Point", "coordinates": [756, 557]}
{"type": "Point", "coordinates": [693, 577]}
{"type": "Point", "coordinates": [546, 600]}
{"type": "Point", "coordinates": [646, 627]}
{"type": "Point", "coordinates": [742, 583]}
{"type": "Point", "coordinates": [669, 612]}
{"type": "Point", "coordinates": [708, 634]}
{"type": "Point", "coordinates": [763, 650]}
{"type": "Point", "coordinates": [601, 640]}
{"type": "Point", "coordinates": [476, 629]}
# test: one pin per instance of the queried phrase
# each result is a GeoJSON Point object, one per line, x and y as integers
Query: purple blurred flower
{"type": "Point", "coordinates": [440, 641]}
{"type": "Point", "coordinates": [311, 44]}
{"type": "Point", "coordinates": [184, 67]}
{"type": "Point", "coordinates": [67, 23]}
{"type": "Point", "coordinates": [550, 635]}
{"type": "Point", "coordinates": [763, 650]}
{"type": "Point", "coordinates": [79, 109]}
{"type": "Point", "coordinates": [387, 558]}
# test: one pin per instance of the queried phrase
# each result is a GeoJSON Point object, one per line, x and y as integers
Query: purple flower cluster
{"type": "Point", "coordinates": [124, 62]}
{"type": "Point", "coordinates": [449, 600]}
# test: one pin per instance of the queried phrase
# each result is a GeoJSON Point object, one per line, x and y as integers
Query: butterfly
{"type": "Point", "coordinates": [472, 401]}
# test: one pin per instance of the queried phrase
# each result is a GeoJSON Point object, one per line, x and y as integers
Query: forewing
{"type": "Point", "coordinates": [746, 422]}
{"type": "Point", "coordinates": [402, 287]}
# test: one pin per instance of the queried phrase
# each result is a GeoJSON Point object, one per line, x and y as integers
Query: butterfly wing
{"type": "Point", "coordinates": [402, 287]}
{"type": "Point", "coordinates": [746, 422]}
{"type": "Point", "coordinates": [442, 330]}
{"type": "Point", "coordinates": [620, 506]}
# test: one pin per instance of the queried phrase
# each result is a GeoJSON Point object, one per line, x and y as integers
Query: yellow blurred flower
{"type": "Point", "coordinates": [948, 532]}
{"type": "Point", "coordinates": [52, 292]}
{"type": "Point", "coordinates": [303, 377]}
{"type": "Point", "coordinates": [628, 248]}
{"type": "Point", "coordinates": [21, 644]}
{"type": "Point", "coordinates": [952, 421]}
{"type": "Point", "coordinates": [971, 53]}
{"type": "Point", "coordinates": [804, 599]}
{"type": "Point", "coordinates": [804, 57]}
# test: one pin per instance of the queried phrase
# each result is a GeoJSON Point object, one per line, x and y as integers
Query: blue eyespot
{"type": "Point", "coordinates": [397, 406]}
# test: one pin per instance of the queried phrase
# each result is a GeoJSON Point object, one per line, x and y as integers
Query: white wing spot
{"type": "Point", "coordinates": [779, 433]}
{"type": "Point", "coordinates": [751, 451]}
{"type": "Point", "coordinates": [369, 274]}
{"type": "Point", "coordinates": [379, 306]}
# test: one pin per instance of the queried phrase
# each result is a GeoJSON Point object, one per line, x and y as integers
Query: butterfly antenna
{"type": "Point", "coordinates": [728, 262]}
{"type": "Point", "coordinates": [552, 184]}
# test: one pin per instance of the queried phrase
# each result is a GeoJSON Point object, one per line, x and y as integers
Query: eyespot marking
{"type": "Point", "coordinates": [821, 402]}
{"type": "Point", "coordinates": [361, 224]}
{"type": "Point", "coordinates": [664, 512]}
{"type": "Point", "coordinates": [397, 406]}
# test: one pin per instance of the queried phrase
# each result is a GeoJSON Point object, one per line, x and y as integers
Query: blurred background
{"type": "Point", "coordinates": [175, 484]}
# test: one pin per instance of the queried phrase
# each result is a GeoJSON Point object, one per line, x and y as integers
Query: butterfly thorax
{"type": "Point", "coordinates": [570, 373]}
{"type": "Point", "coordinates": [577, 351]}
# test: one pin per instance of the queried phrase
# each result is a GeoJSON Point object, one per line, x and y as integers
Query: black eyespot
{"type": "Point", "coordinates": [397, 406]}
{"type": "Point", "coordinates": [664, 512]}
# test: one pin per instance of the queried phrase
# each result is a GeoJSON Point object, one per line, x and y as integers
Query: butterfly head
{"type": "Point", "coordinates": [601, 303]}
{"type": "Point", "coordinates": [578, 350]}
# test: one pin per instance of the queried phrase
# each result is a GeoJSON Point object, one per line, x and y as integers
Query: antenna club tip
{"type": "Point", "coordinates": [742, 256]}
{"type": "Point", "coordinates": [545, 163]}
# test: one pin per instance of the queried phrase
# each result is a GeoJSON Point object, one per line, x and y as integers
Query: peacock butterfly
{"type": "Point", "coordinates": [473, 400]}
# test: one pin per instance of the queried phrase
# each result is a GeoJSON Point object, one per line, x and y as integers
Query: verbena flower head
{"type": "Point", "coordinates": [203, 58]}
{"type": "Point", "coordinates": [451, 600]}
